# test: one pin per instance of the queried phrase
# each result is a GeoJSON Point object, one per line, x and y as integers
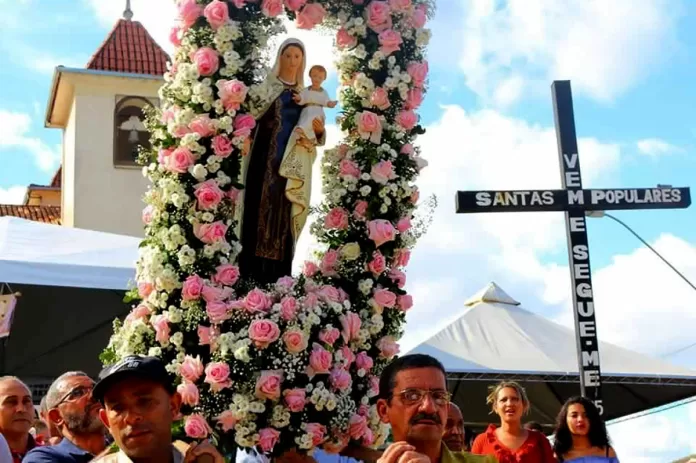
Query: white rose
{"type": "Point", "coordinates": [350, 251]}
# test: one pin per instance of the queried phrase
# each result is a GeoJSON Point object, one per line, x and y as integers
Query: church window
{"type": "Point", "coordinates": [129, 129]}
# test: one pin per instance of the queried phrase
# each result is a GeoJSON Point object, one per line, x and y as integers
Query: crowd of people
{"type": "Point", "coordinates": [127, 416]}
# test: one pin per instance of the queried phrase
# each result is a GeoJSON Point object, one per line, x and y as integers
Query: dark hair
{"type": "Point", "coordinates": [563, 441]}
{"type": "Point", "coordinates": [387, 380]}
{"type": "Point", "coordinates": [318, 67]}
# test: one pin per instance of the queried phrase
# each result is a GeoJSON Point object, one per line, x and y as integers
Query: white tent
{"type": "Point", "coordinates": [43, 254]}
{"type": "Point", "coordinates": [494, 338]}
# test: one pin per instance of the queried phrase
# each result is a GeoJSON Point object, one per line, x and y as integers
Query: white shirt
{"type": "Point", "coordinates": [5, 455]}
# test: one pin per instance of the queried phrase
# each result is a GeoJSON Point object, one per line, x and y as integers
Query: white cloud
{"type": "Point", "coordinates": [655, 147]}
{"type": "Point", "coordinates": [518, 47]}
{"type": "Point", "coordinates": [14, 128]}
{"type": "Point", "coordinates": [12, 195]}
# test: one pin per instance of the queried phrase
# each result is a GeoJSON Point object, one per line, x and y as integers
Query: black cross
{"type": "Point", "coordinates": [575, 202]}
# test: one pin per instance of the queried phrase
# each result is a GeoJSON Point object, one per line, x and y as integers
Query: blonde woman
{"type": "Point", "coordinates": [511, 442]}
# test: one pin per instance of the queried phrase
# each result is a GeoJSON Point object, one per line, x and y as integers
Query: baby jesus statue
{"type": "Point", "coordinates": [313, 98]}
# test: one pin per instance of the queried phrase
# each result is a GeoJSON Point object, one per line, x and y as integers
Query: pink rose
{"type": "Point", "coordinates": [191, 368]}
{"type": "Point", "coordinates": [414, 98]}
{"type": "Point", "coordinates": [398, 277]}
{"type": "Point", "coordinates": [243, 125]}
{"type": "Point", "coordinates": [369, 438]}
{"type": "Point", "coordinates": [294, 5]}
{"type": "Point", "coordinates": [369, 126]}
{"type": "Point", "coordinates": [340, 379]}
{"type": "Point", "coordinates": [161, 326]}
{"type": "Point", "coordinates": [407, 119]}
{"type": "Point", "coordinates": [374, 385]}
{"type": "Point", "coordinates": [329, 293]}
{"type": "Point", "coordinates": [217, 374]}
{"type": "Point", "coordinates": [378, 263]}
{"type": "Point", "coordinates": [381, 231]}
{"type": "Point", "coordinates": [320, 360]}
{"type": "Point", "coordinates": [241, 3]}
{"type": "Point", "coordinates": [401, 257]}
{"type": "Point", "coordinates": [268, 438]}
{"type": "Point", "coordinates": [360, 209]}
{"type": "Point", "coordinates": [407, 149]}
{"type": "Point", "coordinates": [268, 385]}
{"type": "Point", "coordinates": [388, 347]}
{"type": "Point", "coordinates": [384, 298]}
{"type": "Point", "coordinates": [163, 154]}
{"type": "Point", "coordinates": [288, 308]}
{"type": "Point", "coordinates": [349, 168]}
{"type": "Point", "coordinates": [180, 131]}
{"type": "Point", "coordinates": [210, 233]}
{"type": "Point", "coordinates": [336, 219]}
{"type": "Point", "coordinates": [222, 146]}
{"type": "Point", "coordinates": [378, 16]}
{"type": "Point", "coordinates": [175, 37]}
{"type": "Point", "coordinates": [226, 421]}
{"type": "Point", "coordinates": [419, 16]}
{"type": "Point", "coordinates": [405, 302]}
{"type": "Point", "coordinates": [328, 262]}
{"type": "Point", "coordinates": [232, 92]}
{"type": "Point", "coordinates": [310, 269]}
{"type": "Point", "coordinates": [404, 224]}
{"type": "Point", "coordinates": [203, 125]}
{"type": "Point", "coordinates": [295, 399]}
{"type": "Point", "coordinates": [206, 60]}
{"type": "Point", "coordinates": [263, 333]}
{"type": "Point", "coordinates": [329, 335]}
{"type": "Point", "coordinates": [285, 284]}
{"type": "Point", "coordinates": [196, 427]}
{"type": "Point", "coordinates": [350, 322]}
{"type": "Point", "coordinates": [310, 16]}
{"type": "Point", "coordinates": [295, 341]}
{"type": "Point", "coordinates": [145, 289]}
{"type": "Point", "coordinates": [400, 5]}
{"type": "Point", "coordinates": [215, 294]}
{"type": "Point", "coordinates": [141, 312]}
{"type": "Point", "coordinates": [147, 215]}
{"type": "Point", "coordinates": [380, 98]}
{"type": "Point", "coordinates": [217, 311]}
{"type": "Point", "coordinates": [317, 431]}
{"type": "Point", "coordinates": [257, 301]}
{"type": "Point", "coordinates": [208, 194]}
{"type": "Point", "coordinates": [389, 41]}
{"type": "Point", "coordinates": [272, 8]}
{"type": "Point", "coordinates": [180, 160]}
{"type": "Point", "coordinates": [357, 426]}
{"type": "Point", "coordinates": [344, 40]}
{"type": "Point", "coordinates": [217, 14]}
{"type": "Point", "coordinates": [189, 394]}
{"type": "Point", "coordinates": [207, 335]}
{"type": "Point", "coordinates": [189, 12]}
{"type": "Point", "coordinates": [348, 356]}
{"type": "Point", "coordinates": [233, 194]}
{"type": "Point", "coordinates": [418, 73]}
{"type": "Point", "coordinates": [382, 172]}
{"type": "Point", "coordinates": [363, 361]}
{"type": "Point", "coordinates": [226, 274]}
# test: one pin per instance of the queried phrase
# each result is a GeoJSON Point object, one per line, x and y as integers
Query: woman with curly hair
{"type": "Point", "coordinates": [511, 442]}
{"type": "Point", "coordinates": [581, 435]}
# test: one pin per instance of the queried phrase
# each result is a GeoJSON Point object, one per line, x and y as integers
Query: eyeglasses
{"type": "Point", "coordinates": [416, 396]}
{"type": "Point", "coordinates": [75, 394]}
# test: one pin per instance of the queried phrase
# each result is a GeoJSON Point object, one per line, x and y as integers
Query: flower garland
{"type": "Point", "coordinates": [295, 364]}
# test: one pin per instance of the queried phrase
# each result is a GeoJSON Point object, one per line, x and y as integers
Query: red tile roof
{"type": "Point", "coordinates": [130, 48]}
{"type": "Point", "coordinates": [46, 214]}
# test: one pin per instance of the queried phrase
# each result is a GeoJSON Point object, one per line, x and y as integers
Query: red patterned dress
{"type": "Point", "coordinates": [536, 449]}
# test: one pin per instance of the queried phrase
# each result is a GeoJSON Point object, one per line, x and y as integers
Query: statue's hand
{"type": "Point", "coordinates": [318, 126]}
{"type": "Point", "coordinates": [332, 104]}
{"type": "Point", "coordinates": [247, 146]}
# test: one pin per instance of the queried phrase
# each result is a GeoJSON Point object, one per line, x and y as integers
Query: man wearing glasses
{"type": "Point", "coordinates": [413, 398]}
{"type": "Point", "coordinates": [74, 412]}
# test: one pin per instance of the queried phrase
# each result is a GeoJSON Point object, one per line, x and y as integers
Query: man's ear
{"type": "Point", "coordinates": [382, 408]}
{"type": "Point", "coordinates": [175, 405]}
{"type": "Point", "coordinates": [104, 417]}
{"type": "Point", "coordinates": [54, 417]}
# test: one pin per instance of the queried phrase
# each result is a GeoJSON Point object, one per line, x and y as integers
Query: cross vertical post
{"type": "Point", "coordinates": [578, 246]}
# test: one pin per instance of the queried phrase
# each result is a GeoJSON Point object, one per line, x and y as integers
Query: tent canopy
{"type": "Point", "coordinates": [50, 255]}
{"type": "Point", "coordinates": [494, 339]}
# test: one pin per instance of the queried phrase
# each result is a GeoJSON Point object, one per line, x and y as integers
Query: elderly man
{"type": "Point", "coordinates": [413, 398]}
{"type": "Point", "coordinates": [16, 416]}
{"type": "Point", "coordinates": [54, 436]}
{"type": "Point", "coordinates": [75, 414]}
{"type": "Point", "coordinates": [455, 435]}
{"type": "Point", "coordinates": [139, 406]}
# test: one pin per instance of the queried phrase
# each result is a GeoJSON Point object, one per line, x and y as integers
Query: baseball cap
{"type": "Point", "coordinates": [133, 366]}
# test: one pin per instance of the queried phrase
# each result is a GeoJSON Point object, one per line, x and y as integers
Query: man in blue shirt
{"type": "Point", "coordinates": [75, 413]}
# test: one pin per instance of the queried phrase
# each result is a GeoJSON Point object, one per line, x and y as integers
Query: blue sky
{"type": "Point", "coordinates": [490, 123]}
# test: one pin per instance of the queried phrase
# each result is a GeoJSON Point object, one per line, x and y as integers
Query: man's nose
{"type": "Point", "coordinates": [457, 430]}
{"type": "Point", "coordinates": [133, 416]}
{"type": "Point", "coordinates": [428, 404]}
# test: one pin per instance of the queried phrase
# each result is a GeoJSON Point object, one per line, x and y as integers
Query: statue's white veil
{"type": "Point", "coordinates": [301, 69]}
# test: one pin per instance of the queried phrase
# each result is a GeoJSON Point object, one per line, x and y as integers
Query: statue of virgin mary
{"type": "Point", "coordinates": [277, 171]}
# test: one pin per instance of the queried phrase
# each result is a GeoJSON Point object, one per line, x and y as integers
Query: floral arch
{"type": "Point", "coordinates": [294, 364]}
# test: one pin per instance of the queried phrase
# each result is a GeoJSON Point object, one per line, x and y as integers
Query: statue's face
{"type": "Point", "coordinates": [291, 58]}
